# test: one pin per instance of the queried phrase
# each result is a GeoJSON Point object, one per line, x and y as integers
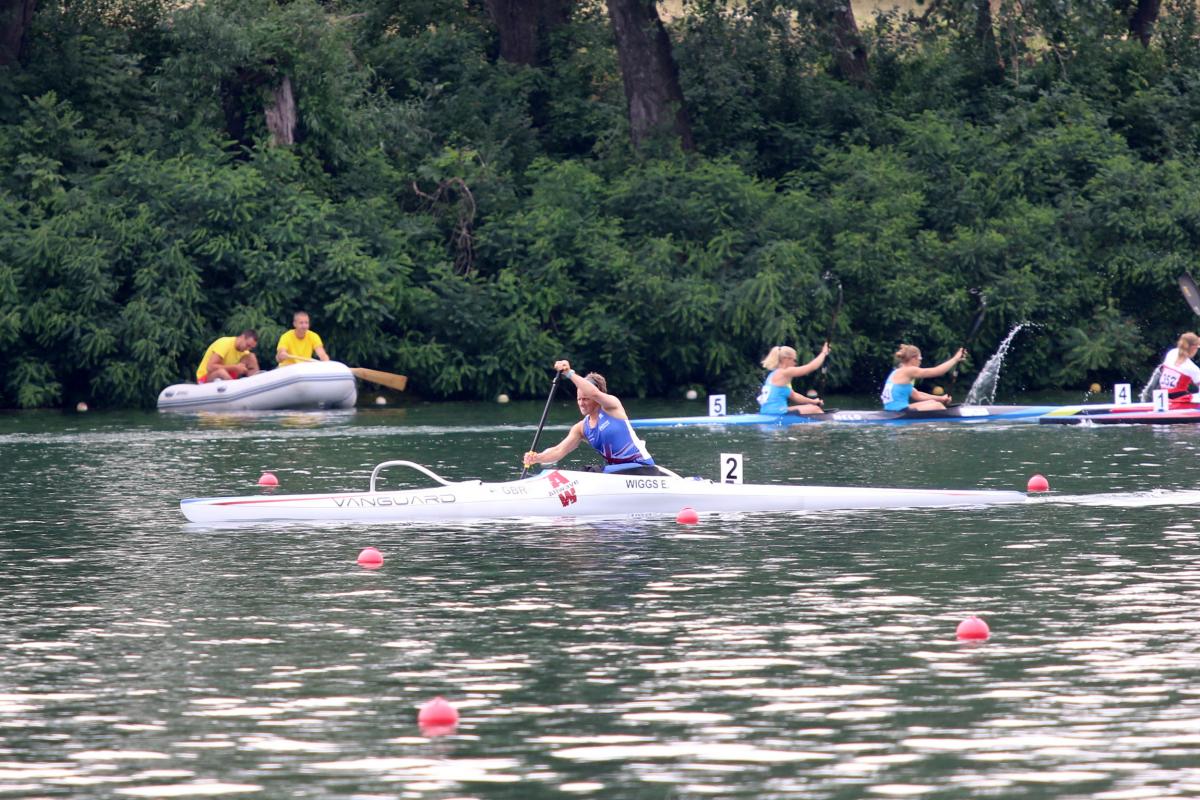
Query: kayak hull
{"type": "Point", "coordinates": [1130, 414]}
{"type": "Point", "coordinates": [559, 493]}
{"type": "Point", "coordinates": [962, 413]}
{"type": "Point", "coordinates": [320, 384]}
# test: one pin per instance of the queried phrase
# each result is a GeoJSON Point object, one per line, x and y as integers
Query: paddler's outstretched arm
{"type": "Point", "coordinates": [940, 369]}
{"type": "Point", "coordinates": [787, 373]}
{"type": "Point", "coordinates": [552, 454]}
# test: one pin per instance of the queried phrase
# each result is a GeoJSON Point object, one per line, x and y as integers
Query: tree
{"type": "Point", "coordinates": [650, 74]}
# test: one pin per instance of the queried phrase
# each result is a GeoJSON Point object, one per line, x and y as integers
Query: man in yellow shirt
{"type": "Point", "coordinates": [229, 358]}
{"type": "Point", "coordinates": [299, 343]}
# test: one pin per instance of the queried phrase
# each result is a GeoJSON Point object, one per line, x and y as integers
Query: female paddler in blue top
{"type": "Point", "coordinates": [898, 393]}
{"type": "Point", "coordinates": [776, 395]}
{"type": "Point", "coordinates": [605, 426]}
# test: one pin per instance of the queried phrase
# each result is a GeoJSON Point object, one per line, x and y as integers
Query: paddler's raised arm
{"type": "Point", "coordinates": [585, 388]}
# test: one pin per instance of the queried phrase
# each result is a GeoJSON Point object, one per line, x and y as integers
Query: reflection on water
{"type": "Point", "coordinates": [752, 655]}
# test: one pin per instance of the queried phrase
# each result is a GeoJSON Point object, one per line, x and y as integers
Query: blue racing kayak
{"type": "Point", "coordinates": [961, 413]}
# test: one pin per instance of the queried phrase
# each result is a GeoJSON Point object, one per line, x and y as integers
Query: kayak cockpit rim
{"type": "Point", "coordinates": [419, 468]}
{"type": "Point", "coordinates": [431, 474]}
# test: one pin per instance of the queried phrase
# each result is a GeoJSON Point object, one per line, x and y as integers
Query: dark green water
{"type": "Point", "coordinates": [752, 656]}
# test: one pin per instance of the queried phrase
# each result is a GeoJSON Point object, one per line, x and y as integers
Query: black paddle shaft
{"type": "Point", "coordinates": [971, 335]}
{"type": "Point", "coordinates": [1190, 292]}
{"type": "Point", "coordinates": [837, 308]}
{"type": "Point", "coordinates": [542, 422]}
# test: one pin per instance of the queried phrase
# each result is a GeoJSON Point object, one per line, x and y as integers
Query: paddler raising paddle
{"type": "Point", "coordinates": [605, 426]}
{"type": "Point", "coordinates": [1179, 375]}
{"type": "Point", "coordinates": [898, 392]}
{"type": "Point", "coordinates": [776, 395]}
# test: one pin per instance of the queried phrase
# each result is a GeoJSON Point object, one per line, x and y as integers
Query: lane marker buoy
{"type": "Point", "coordinates": [973, 628]}
{"type": "Point", "coordinates": [437, 717]}
{"type": "Point", "coordinates": [1038, 483]}
{"type": "Point", "coordinates": [687, 516]}
{"type": "Point", "coordinates": [268, 479]}
{"type": "Point", "coordinates": [370, 558]}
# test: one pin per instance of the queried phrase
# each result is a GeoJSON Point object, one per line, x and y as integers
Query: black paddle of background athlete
{"type": "Point", "coordinates": [1190, 292]}
{"type": "Point", "coordinates": [970, 337]}
{"type": "Point", "coordinates": [542, 422]}
{"type": "Point", "coordinates": [837, 307]}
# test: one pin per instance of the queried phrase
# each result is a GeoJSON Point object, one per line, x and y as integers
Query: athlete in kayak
{"type": "Point", "coordinates": [899, 394]}
{"type": "Point", "coordinates": [1179, 374]}
{"type": "Point", "coordinates": [776, 395]}
{"type": "Point", "coordinates": [605, 426]}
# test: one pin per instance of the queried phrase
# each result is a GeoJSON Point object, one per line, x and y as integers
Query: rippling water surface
{"type": "Point", "coordinates": [755, 656]}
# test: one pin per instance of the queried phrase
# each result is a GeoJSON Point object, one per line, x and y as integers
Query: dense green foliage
{"type": "Point", "coordinates": [466, 221]}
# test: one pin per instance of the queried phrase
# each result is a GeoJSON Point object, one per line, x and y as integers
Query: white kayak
{"type": "Point", "coordinates": [558, 493]}
{"type": "Point", "coordinates": [319, 384]}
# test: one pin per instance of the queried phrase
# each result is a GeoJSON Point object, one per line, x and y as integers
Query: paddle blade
{"type": "Point", "coordinates": [388, 379]}
{"type": "Point", "coordinates": [1190, 292]}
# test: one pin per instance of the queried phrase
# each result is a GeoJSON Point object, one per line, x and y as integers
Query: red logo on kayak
{"type": "Point", "coordinates": [567, 495]}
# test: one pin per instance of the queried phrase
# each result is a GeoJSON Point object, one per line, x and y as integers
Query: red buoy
{"type": "Point", "coordinates": [370, 558]}
{"type": "Point", "coordinates": [1038, 483]}
{"type": "Point", "coordinates": [687, 516]}
{"type": "Point", "coordinates": [973, 628]}
{"type": "Point", "coordinates": [437, 717]}
{"type": "Point", "coordinates": [268, 479]}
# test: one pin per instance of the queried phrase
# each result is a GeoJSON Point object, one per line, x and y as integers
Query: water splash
{"type": "Point", "coordinates": [983, 390]}
{"type": "Point", "coordinates": [1151, 384]}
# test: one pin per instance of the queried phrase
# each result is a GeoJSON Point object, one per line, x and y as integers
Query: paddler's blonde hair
{"type": "Point", "coordinates": [778, 353]}
{"type": "Point", "coordinates": [1188, 341]}
{"type": "Point", "coordinates": [906, 352]}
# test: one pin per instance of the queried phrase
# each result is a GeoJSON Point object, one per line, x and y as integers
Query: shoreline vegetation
{"type": "Point", "coordinates": [464, 191]}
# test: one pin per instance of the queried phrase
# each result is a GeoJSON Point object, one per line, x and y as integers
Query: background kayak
{"type": "Point", "coordinates": [962, 413]}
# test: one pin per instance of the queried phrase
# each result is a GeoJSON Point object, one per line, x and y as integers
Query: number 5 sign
{"type": "Point", "coordinates": [716, 405]}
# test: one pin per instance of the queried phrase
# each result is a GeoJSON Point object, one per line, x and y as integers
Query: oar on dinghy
{"type": "Point", "coordinates": [388, 379]}
{"type": "Point", "coordinates": [542, 422]}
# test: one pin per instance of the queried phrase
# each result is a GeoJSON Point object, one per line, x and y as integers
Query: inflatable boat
{"type": "Point", "coordinates": [317, 384]}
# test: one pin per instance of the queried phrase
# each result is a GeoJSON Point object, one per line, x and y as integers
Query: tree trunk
{"type": "Point", "coordinates": [649, 72]}
{"type": "Point", "coordinates": [985, 39]}
{"type": "Point", "coordinates": [849, 52]}
{"type": "Point", "coordinates": [1141, 24]}
{"type": "Point", "coordinates": [281, 114]}
{"type": "Point", "coordinates": [15, 16]}
{"type": "Point", "coordinates": [523, 26]}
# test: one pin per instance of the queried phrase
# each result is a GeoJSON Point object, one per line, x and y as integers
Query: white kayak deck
{"type": "Point", "coordinates": [558, 493]}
